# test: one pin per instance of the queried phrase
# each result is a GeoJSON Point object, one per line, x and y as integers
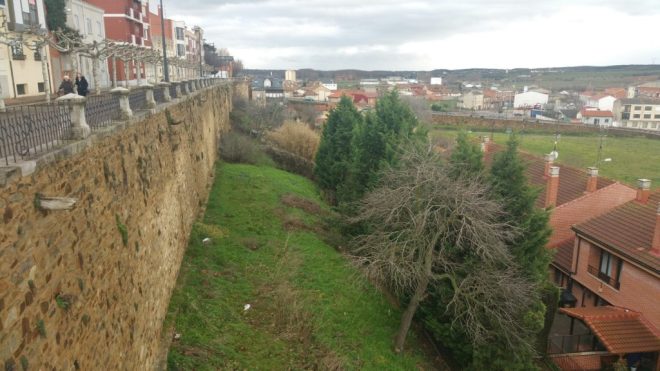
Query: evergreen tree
{"type": "Point", "coordinates": [466, 157]}
{"type": "Point", "coordinates": [334, 154]}
{"type": "Point", "coordinates": [510, 184]}
{"type": "Point", "coordinates": [375, 145]}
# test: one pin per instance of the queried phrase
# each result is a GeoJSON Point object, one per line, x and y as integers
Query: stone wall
{"type": "Point", "coordinates": [476, 122]}
{"type": "Point", "coordinates": [88, 288]}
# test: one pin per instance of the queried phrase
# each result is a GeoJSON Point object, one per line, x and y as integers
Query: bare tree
{"type": "Point", "coordinates": [427, 228]}
{"type": "Point", "coordinates": [421, 107]}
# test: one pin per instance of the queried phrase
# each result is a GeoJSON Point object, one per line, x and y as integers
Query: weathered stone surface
{"type": "Point", "coordinates": [79, 254]}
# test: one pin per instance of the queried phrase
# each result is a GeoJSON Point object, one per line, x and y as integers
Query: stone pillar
{"type": "Point", "coordinates": [124, 104]}
{"type": "Point", "coordinates": [149, 90]}
{"type": "Point", "coordinates": [79, 127]}
{"type": "Point", "coordinates": [177, 85]}
{"type": "Point", "coordinates": [166, 91]}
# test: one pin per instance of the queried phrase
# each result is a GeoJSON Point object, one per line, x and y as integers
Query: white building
{"type": "Point", "coordinates": [330, 85]}
{"type": "Point", "coordinates": [603, 102]}
{"type": "Point", "coordinates": [436, 80]}
{"type": "Point", "coordinates": [596, 117]}
{"type": "Point", "coordinates": [473, 100]}
{"type": "Point", "coordinates": [290, 75]}
{"type": "Point", "coordinates": [88, 20]}
{"type": "Point", "coordinates": [530, 99]}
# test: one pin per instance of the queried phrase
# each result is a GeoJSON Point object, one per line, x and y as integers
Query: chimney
{"type": "Point", "coordinates": [553, 187]}
{"type": "Point", "coordinates": [592, 181]}
{"type": "Point", "coordinates": [655, 245]}
{"type": "Point", "coordinates": [549, 159]}
{"type": "Point", "coordinates": [643, 190]}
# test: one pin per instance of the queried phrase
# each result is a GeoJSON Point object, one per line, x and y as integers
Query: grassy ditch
{"type": "Point", "coordinates": [308, 307]}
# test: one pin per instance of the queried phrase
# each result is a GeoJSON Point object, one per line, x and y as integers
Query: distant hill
{"type": "Point", "coordinates": [554, 78]}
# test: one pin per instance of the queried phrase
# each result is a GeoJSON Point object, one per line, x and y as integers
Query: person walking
{"type": "Point", "coordinates": [82, 85]}
{"type": "Point", "coordinates": [66, 87]}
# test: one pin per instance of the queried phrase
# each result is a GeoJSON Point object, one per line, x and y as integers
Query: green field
{"type": "Point", "coordinates": [631, 157]}
{"type": "Point", "coordinates": [309, 308]}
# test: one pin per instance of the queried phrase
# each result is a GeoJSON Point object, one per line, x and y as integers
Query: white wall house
{"type": "Point", "coordinates": [88, 20]}
{"type": "Point", "coordinates": [473, 100]}
{"type": "Point", "coordinates": [436, 80]}
{"type": "Point", "coordinates": [596, 117]}
{"type": "Point", "coordinates": [529, 99]}
{"type": "Point", "coordinates": [601, 102]}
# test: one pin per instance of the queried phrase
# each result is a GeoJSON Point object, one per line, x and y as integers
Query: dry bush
{"type": "Point", "coordinates": [238, 148]}
{"type": "Point", "coordinates": [296, 138]}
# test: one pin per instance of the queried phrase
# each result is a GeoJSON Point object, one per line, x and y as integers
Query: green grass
{"type": "Point", "coordinates": [310, 309]}
{"type": "Point", "coordinates": [632, 157]}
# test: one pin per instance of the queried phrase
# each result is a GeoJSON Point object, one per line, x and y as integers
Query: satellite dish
{"type": "Point", "coordinates": [554, 154]}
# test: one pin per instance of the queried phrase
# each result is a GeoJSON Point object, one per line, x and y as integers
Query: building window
{"type": "Point", "coordinates": [596, 121]}
{"type": "Point", "coordinates": [647, 108]}
{"type": "Point", "coordinates": [645, 125]}
{"type": "Point", "coordinates": [607, 121]}
{"type": "Point", "coordinates": [41, 87]}
{"type": "Point", "coordinates": [647, 116]}
{"type": "Point", "coordinates": [179, 33]}
{"type": "Point", "coordinates": [21, 89]}
{"type": "Point", "coordinates": [17, 51]}
{"type": "Point", "coordinates": [89, 27]}
{"type": "Point", "coordinates": [37, 55]}
{"type": "Point", "coordinates": [146, 34]}
{"type": "Point", "coordinates": [608, 270]}
{"type": "Point", "coordinates": [77, 21]}
{"type": "Point", "coordinates": [99, 27]}
{"type": "Point", "coordinates": [636, 116]}
{"type": "Point", "coordinates": [656, 117]}
{"type": "Point", "coordinates": [638, 108]}
{"type": "Point", "coordinates": [180, 50]}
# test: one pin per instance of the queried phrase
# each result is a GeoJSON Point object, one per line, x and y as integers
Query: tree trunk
{"type": "Point", "coordinates": [74, 65]}
{"type": "Point", "coordinates": [409, 313]}
{"type": "Point", "coordinates": [126, 72]}
{"type": "Point", "coordinates": [44, 71]}
{"type": "Point", "coordinates": [114, 72]}
{"type": "Point", "coordinates": [95, 75]}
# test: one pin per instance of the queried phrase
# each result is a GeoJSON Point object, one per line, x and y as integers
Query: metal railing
{"type": "Point", "coordinates": [101, 110]}
{"type": "Point", "coordinates": [29, 130]}
{"type": "Point", "coordinates": [603, 277]}
{"type": "Point", "coordinates": [26, 131]}
{"type": "Point", "coordinates": [561, 344]}
{"type": "Point", "coordinates": [159, 94]}
{"type": "Point", "coordinates": [138, 99]}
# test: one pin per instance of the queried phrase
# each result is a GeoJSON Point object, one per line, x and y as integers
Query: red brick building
{"type": "Point", "coordinates": [126, 21]}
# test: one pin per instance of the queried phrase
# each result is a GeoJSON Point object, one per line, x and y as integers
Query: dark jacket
{"type": "Point", "coordinates": [83, 86]}
{"type": "Point", "coordinates": [66, 87]}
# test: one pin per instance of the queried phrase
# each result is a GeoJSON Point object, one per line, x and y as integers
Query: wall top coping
{"type": "Point", "coordinates": [72, 97]}
{"type": "Point", "coordinates": [119, 90]}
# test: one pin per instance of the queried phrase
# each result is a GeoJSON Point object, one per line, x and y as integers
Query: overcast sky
{"type": "Point", "coordinates": [425, 34]}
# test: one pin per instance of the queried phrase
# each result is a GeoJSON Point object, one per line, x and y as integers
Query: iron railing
{"type": "Point", "coordinates": [138, 99]}
{"type": "Point", "coordinates": [603, 277]}
{"type": "Point", "coordinates": [173, 92]}
{"type": "Point", "coordinates": [561, 344]}
{"type": "Point", "coordinates": [159, 94]}
{"type": "Point", "coordinates": [101, 110]}
{"type": "Point", "coordinates": [26, 131]}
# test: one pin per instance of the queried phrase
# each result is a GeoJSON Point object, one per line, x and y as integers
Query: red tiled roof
{"type": "Point", "coordinates": [595, 113]}
{"type": "Point", "coordinates": [628, 230]}
{"type": "Point", "coordinates": [572, 182]}
{"type": "Point", "coordinates": [620, 330]}
{"type": "Point", "coordinates": [563, 257]}
{"type": "Point", "coordinates": [583, 208]}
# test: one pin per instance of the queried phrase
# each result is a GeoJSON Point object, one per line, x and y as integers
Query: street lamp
{"type": "Point", "coordinates": [166, 71]}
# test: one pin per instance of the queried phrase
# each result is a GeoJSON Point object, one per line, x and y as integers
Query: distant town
{"type": "Point", "coordinates": [634, 106]}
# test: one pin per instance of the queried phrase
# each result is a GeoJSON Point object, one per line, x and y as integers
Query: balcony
{"type": "Point", "coordinates": [134, 15]}
{"type": "Point", "coordinates": [603, 277]}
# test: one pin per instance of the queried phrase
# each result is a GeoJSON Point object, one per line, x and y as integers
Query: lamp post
{"type": "Point", "coordinates": [166, 71]}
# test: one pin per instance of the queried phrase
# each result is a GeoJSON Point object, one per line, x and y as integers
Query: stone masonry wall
{"type": "Point", "coordinates": [88, 288]}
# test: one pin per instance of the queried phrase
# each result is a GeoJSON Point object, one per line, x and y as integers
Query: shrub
{"type": "Point", "coordinates": [235, 147]}
{"type": "Point", "coordinates": [296, 138]}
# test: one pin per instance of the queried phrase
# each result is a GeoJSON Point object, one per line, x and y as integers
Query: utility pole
{"type": "Point", "coordinates": [166, 70]}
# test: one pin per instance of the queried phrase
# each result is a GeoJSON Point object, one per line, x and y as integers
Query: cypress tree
{"type": "Point", "coordinates": [334, 154]}
{"type": "Point", "coordinates": [466, 157]}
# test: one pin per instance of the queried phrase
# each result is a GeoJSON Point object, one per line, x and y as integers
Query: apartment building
{"type": "Point", "coordinates": [20, 67]}
{"type": "Point", "coordinates": [157, 41]}
{"type": "Point", "coordinates": [638, 113]}
{"type": "Point", "coordinates": [126, 21]}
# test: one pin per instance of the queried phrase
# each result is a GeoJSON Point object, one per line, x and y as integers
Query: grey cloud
{"type": "Point", "coordinates": [389, 23]}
